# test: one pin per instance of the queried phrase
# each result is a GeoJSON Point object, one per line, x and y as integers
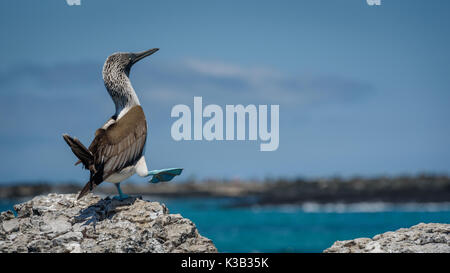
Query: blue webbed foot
{"type": "Point", "coordinates": [164, 175]}
{"type": "Point", "coordinates": [121, 197]}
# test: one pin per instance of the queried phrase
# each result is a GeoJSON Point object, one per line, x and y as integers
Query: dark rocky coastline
{"type": "Point", "coordinates": [421, 189]}
{"type": "Point", "coordinates": [418, 189]}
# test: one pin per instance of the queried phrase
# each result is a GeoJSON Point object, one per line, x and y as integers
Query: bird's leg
{"type": "Point", "coordinates": [164, 175]}
{"type": "Point", "coordinates": [121, 195]}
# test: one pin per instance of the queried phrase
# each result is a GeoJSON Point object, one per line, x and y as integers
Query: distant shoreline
{"type": "Point", "coordinates": [417, 189]}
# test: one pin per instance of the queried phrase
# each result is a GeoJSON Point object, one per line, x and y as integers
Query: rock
{"type": "Point", "coordinates": [60, 223]}
{"type": "Point", "coordinates": [11, 225]}
{"type": "Point", "coordinates": [421, 238]}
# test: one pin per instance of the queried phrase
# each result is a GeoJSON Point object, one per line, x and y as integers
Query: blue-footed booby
{"type": "Point", "coordinates": [117, 151]}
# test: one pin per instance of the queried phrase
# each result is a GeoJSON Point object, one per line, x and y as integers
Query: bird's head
{"type": "Point", "coordinates": [121, 62]}
{"type": "Point", "coordinates": [116, 71]}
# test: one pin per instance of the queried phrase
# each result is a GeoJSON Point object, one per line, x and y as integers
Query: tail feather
{"type": "Point", "coordinates": [95, 179]}
{"type": "Point", "coordinates": [86, 189]}
{"type": "Point", "coordinates": [87, 158]}
{"type": "Point", "coordinates": [83, 154]}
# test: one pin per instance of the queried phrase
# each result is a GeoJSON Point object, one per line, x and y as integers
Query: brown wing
{"type": "Point", "coordinates": [121, 144]}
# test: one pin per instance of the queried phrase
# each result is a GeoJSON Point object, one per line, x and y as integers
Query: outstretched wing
{"type": "Point", "coordinates": [121, 144]}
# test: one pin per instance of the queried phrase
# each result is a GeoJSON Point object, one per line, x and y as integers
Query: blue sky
{"type": "Point", "coordinates": [362, 90]}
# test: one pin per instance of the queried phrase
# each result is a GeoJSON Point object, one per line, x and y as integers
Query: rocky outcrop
{"type": "Point", "coordinates": [60, 223]}
{"type": "Point", "coordinates": [421, 238]}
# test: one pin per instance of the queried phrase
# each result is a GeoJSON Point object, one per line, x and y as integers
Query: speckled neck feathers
{"type": "Point", "coordinates": [115, 76]}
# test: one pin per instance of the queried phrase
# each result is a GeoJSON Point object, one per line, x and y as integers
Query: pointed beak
{"type": "Point", "coordinates": [136, 57]}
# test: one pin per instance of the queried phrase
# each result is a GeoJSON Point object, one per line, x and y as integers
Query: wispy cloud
{"type": "Point", "coordinates": [34, 94]}
{"type": "Point", "coordinates": [169, 82]}
{"type": "Point", "coordinates": [223, 81]}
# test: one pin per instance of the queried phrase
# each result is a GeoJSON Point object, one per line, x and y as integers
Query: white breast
{"type": "Point", "coordinates": [120, 176]}
{"type": "Point", "coordinates": [140, 169]}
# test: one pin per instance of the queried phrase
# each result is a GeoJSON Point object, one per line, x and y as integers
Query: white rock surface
{"type": "Point", "coordinates": [421, 238]}
{"type": "Point", "coordinates": [60, 223]}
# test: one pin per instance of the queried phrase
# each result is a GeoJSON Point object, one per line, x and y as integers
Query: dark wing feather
{"type": "Point", "coordinates": [121, 144]}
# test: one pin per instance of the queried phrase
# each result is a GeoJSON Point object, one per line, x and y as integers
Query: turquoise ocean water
{"type": "Point", "coordinates": [307, 228]}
